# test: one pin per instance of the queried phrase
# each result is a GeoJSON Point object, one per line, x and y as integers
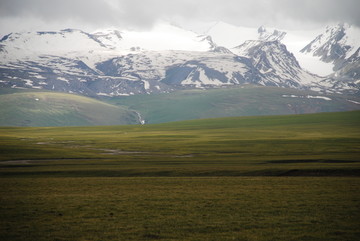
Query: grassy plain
{"type": "Point", "coordinates": [249, 178]}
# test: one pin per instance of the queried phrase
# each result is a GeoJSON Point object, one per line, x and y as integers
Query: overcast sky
{"type": "Point", "coordinates": [19, 15]}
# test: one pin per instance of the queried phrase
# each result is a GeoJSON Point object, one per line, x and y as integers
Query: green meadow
{"type": "Point", "coordinates": [234, 101]}
{"type": "Point", "coordinates": [290, 177]}
{"type": "Point", "coordinates": [39, 108]}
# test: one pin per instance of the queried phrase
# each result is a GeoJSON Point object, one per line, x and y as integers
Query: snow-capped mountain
{"type": "Point", "coordinates": [66, 60]}
{"type": "Point", "coordinates": [100, 45]}
{"type": "Point", "coordinates": [230, 36]}
{"type": "Point", "coordinates": [183, 68]}
{"type": "Point", "coordinates": [278, 66]}
{"type": "Point", "coordinates": [60, 42]}
{"type": "Point", "coordinates": [113, 62]}
{"type": "Point", "coordinates": [340, 46]}
{"type": "Point", "coordinates": [337, 43]}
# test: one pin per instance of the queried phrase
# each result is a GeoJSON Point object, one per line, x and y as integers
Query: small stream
{"type": "Point", "coordinates": [141, 120]}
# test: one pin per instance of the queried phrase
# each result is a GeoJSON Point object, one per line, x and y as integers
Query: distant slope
{"type": "Point", "coordinates": [60, 109]}
{"type": "Point", "coordinates": [246, 101]}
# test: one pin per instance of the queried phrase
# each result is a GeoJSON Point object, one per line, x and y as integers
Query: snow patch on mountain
{"type": "Point", "coordinates": [307, 97]}
{"type": "Point", "coordinates": [295, 41]}
{"type": "Point", "coordinates": [163, 36]}
{"type": "Point", "coordinates": [67, 40]}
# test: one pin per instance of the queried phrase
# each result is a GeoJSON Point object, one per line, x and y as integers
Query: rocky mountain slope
{"type": "Point", "coordinates": [339, 45]}
{"type": "Point", "coordinates": [336, 44]}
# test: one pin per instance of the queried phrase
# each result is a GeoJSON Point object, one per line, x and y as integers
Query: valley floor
{"type": "Point", "coordinates": [249, 178]}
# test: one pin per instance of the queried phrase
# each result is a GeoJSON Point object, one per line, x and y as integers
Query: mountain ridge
{"type": "Point", "coordinates": [114, 62]}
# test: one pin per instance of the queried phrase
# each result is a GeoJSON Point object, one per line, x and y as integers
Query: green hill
{"type": "Point", "coordinates": [38, 108]}
{"type": "Point", "coordinates": [33, 108]}
{"type": "Point", "coordinates": [246, 101]}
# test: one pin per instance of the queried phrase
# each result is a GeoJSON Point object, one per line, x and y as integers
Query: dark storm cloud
{"type": "Point", "coordinates": [143, 13]}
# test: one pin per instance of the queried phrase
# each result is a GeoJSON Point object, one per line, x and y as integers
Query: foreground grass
{"type": "Point", "coordinates": [258, 208]}
{"type": "Point", "coordinates": [263, 178]}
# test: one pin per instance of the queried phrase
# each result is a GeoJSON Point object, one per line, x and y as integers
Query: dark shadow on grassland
{"type": "Point", "coordinates": [309, 161]}
{"type": "Point", "coordinates": [339, 172]}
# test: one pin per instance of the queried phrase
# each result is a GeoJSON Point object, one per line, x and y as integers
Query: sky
{"type": "Point", "coordinates": [88, 15]}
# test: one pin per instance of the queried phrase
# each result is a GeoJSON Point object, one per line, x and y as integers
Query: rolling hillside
{"type": "Point", "coordinates": [59, 109]}
{"type": "Point", "coordinates": [224, 102]}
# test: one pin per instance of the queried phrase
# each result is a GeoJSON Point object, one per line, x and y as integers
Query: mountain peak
{"type": "Point", "coordinates": [266, 35]}
{"type": "Point", "coordinates": [70, 30]}
{"type": "Point", "coordinates": [261, 29]}
{"type": "Point", "coordinates": [337, 42]}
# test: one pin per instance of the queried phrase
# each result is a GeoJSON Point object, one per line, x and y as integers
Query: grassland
{"type": "Point", "coordinates": [213, 208]}
{"type": "Point", "coordinates": [243, 178]}
{"type": "Point", "coordinates": [34, 108]}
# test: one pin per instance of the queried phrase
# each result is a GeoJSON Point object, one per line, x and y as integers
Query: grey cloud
{"type": "Point", "coordinates": [321, 11]}
{"type": "Point", "coordinates": [58, 10]}
{"type": "Point", "coordinates": [143, 13]}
